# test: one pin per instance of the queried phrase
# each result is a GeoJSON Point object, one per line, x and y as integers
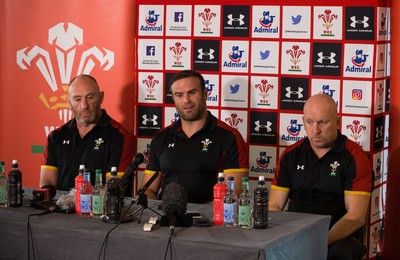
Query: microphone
{"type": "Point", "coordinates": [174, 203]}
{"type": "Point", "coordinates": [121, 183]}
{"type": "Point", "coordinates": [143, 189]}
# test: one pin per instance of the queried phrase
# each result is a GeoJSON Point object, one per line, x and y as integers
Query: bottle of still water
{"type": "Point", "coordinates": [3, 187]}
{"type": "Point", "coordinates": [260, 207]}
{"type": "Point", "coordinates": [98, 196]}
{"type": "Point", "coordinates": [86, 195]}
{"type": "Point", "coordinates": [219, 192]}
{"type": "Point", "coordinates": [15, 186]}
{"type": "Point", "coordinates": [230, 205]}
{"type": "Point", "coordinates": [245, 201]}
{"type": "Point", "coordinates": [113, 204]}
{"type": "Point", "coordinates": [78, 186]}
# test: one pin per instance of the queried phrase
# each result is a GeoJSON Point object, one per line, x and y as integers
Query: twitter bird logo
{"type": "Point", "coordinates": [234, 88]}
{"type": "Point", "coordinates": [296, 20]}
{"type": "Point", "coordinates": [264, 55]}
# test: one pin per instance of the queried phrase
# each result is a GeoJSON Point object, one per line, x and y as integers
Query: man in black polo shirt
{"type": "Point", "coordinates": [92, 138]}
{"type": "Point", "coordinates": [328, 174]}
{"type": "Point", "coordinates": [195, 148]}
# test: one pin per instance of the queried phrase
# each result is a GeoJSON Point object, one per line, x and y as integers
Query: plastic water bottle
{"type": "Point", "coordinates": [78, 186]}
{"type": "Point", "coordinates": [230, 205]}
{"type": "Point", "coordinates": [3, 187]}
{"type": "Point", "coordinates": [98, 196]}
{"type": "Point", "coordinates": [244, 217]}
{"type": "Point", "coordinates": [219, 192]}
{"type": "Point", "coordinates": [86, 195]}
{"type": "Point", "coordinates": [15, 186]}
{"type": "Point", "coordinates": [113, 204]}
{"type": "Point", "coordinates": [260, 208]}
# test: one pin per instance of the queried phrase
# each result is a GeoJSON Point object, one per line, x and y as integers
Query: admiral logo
{"type": "Point", "coordinates": [382, 24]}
{"type": "Point", "coordinates": [209, 89]}
{"type": "Point", "coordinates": [151, 84]}
{"type": "Point", "coordinates": [234, 120]}
{"type": "Point", "coordinates": [327, 17]}
{"type": "Point", "coordinates": [66, 41]}
{"type": "Point", "coordinates": [293, 130]}
{"type": "Point", "coordinates": [327, 91]}
{"type": "Point", "coordinates": [235, 57]}
{"type": "Point", "coordinates": [151, 22]}
{"type": "Point", "coordinates": [266, 23]}
{"type": "Point", "coordinates": [207, 17]}
{"type": "Point", "coordinates": [378, 168]}
{"type": "Point", "coordinates": [295, 54]}
{"type": "Point", "coordinates": [178, 50]}
{"type": "Point", "coordinates": [356, 130]}
{"type": "Point", "coordinates": [262, 164]}
{"type": "Point", "coordinates": [264, 87]}
{"type": "Point", "coordinates": [359, 61]}
{"type": "Point", "coordinates": [175, 118]}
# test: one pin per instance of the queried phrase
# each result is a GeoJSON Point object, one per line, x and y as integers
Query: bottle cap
{"type": "Point", "coordinates": [81, 167]}
{"type": "Point", "coordinates": [98, 171]}
{"type": "Point", "coordinates": [1, 163]}
{"type": "Point", "coordinates": [220, 175]}
{"type": "Point", "coordinates": [14, 164]}
{"type": "Point", "coordinates": [245, 179]}
{"type": "Point", "coordinates": [230, 178]}
{"type": "Point", "coordinates": [114, 171]}
{"type": "Point", "coordinates": [261, 178]}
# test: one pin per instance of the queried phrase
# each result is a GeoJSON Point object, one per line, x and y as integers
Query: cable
{"type": "Point", "coordinates": [29, 233]}
{"type": "Point", "coordinates": [105, 241]}
{"type": "Point", "coordinates": [169, 246]}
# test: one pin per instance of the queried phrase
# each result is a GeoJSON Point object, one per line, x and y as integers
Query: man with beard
{"type": "Point", "coordinates": [196, 147]}
{"type": "Point", "coordinates": [92, 138]}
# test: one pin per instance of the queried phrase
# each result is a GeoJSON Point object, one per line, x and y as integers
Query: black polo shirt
{"type": "Point", "coordinates": [195, 162]}
{"type": "Point", "coordinates": [107, 144]}
{"type": "Point", "coordinates": [319, 185]}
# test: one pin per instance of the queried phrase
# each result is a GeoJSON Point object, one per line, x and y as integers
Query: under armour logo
{"type": "Point", "coordinates": [290, 92]}
{"type": "Point", "coordinates": [354, 21]}
{"type": "Point", "coordinates": [233, 19]}
{"type": "Point", "coordinates": [379, 131]}
{"type": "Point", "coordinates": [202, 53]}
{"type": "Point", "coordinates": [258, 126]}
{"type": "Point", "coordinates": [66, 142]}
{"type": "Point", "coordinates": [323, 57]}
{"type": "Point", "coordinates": [171, 145]}
{"type": "Point", "coordinates": [300, 167]}
{"type": "Point", "coordinates": [149, 120]}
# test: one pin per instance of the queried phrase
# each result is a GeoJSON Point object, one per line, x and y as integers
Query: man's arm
{"type": "Point", "coordinates": [277, 199]}
{"type": "Point", "coordinates": [48, 176]}
{"type": "Point", "coordinates": [357, 208]}
{"type": "Point", "coordinates": [238, 180]}
{"type": "Point", "coordinates": [152, 191]}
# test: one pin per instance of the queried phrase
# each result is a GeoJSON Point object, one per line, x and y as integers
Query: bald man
{"type": "Point", "coordinates": [92, 138]}
{"type": "Point", "coordinates": [326, 173]}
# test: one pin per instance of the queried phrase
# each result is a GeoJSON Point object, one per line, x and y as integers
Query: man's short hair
{"type": "Point", "coordinates": [187, 74]}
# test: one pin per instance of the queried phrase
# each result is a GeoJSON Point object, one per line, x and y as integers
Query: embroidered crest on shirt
{"type": "Point", "coordinates": [97, 143]}
{"type": "Point", "coordinates": [334, 167]}
{"type": "Point", "coordinates": [206, 143]}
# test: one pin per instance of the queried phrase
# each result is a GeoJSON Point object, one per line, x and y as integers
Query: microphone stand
{"type": "Point", "coordinates": [143, 203]}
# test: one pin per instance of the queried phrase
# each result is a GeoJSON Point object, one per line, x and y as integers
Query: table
{"type": "Point", "coordinates": [69, 236]}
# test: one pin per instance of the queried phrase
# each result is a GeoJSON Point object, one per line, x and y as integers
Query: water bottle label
{"type": "Point", "coordinates": [229, 212]}
{"type": "Point", "coordinates": [97, 207]}
{"type": "Point", "coordinates": [244, 215]}
{"type": "Point", "coordinates": [85, 203]}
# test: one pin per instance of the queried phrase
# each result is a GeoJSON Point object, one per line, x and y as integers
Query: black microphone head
{"type": "Point", "coordinates": [174, 200]}
{"type": "Point", "coordinates": [138, 159]}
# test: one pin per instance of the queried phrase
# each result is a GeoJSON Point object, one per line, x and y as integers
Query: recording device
{"type": "Point", "coordinates": [43, 199]}
{"type": "Point", "coordinates": [116, 190]}
{"type": "Point", "coordinates": [174, 207]}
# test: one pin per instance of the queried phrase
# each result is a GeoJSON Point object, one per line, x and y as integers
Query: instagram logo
{"type": "Point", "coordinates": [356, 94]}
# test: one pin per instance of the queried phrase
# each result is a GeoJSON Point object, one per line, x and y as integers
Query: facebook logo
{"type": "Point", "coordinates": [150, 50]}
{"type": "Point", "coordinates": [178, 17]}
